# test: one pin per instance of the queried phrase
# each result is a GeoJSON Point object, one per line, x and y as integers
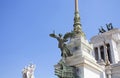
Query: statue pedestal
{"type": "Point", "coordinates": [83, 60]}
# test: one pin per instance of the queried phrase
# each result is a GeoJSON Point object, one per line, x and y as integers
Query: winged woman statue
{"type": "Point", "coordinates": [65, 52]}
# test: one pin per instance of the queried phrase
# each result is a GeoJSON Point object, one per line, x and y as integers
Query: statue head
{"type": "Point", "coordinates": [60, 35]}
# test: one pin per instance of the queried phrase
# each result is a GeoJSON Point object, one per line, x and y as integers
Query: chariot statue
{"type": "Point", "coordinates": [102, 30]}
{"type": "Point", "coordinates": [109, 26]}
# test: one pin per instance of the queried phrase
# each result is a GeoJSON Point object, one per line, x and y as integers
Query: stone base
{"type": "Point", "coordinates": [86, 66]}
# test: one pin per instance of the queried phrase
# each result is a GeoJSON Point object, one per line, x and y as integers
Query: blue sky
{"type": "Point", "coordinates": [25, 26]}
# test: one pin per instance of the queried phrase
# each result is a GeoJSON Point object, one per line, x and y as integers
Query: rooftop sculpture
{"type": "Point", "coordinates": [109, 27]}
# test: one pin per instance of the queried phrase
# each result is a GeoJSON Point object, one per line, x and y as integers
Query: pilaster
{"type": "Point", "coordinates": [114, 52]}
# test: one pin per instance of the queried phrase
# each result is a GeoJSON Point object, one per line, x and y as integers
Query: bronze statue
{"type": "Point", "coordinates": [102, 30]}
{"type": "Point", "coordinates": [64, 71]}
{"type": "Point", "coordinates": [61, 43]}
{"type": "Point", "coordinates": [109, 26]}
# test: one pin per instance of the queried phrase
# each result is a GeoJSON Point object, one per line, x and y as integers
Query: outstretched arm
{"type": "Point", "coordinates": [53, 35]}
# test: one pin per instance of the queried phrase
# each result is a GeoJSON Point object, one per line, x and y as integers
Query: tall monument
{"type": "Point", "coordinates": [77, 24]}
{"type": "Point", "coordinates": [77, 55]}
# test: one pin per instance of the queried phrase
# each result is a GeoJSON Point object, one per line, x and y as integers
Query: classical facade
{"type": "Point", "coordinates": [99, 58]}
{"type": "Point", "coordinates": [107, 47]}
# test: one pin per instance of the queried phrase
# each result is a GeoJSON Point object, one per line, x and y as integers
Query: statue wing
{"type": "Point", "coordinates": [68, 35]}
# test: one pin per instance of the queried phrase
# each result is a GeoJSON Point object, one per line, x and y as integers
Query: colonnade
{"type": "Point", "coordinates": [102, 53]}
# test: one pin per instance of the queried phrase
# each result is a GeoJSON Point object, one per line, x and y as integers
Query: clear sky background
{"type": "Point", "coordinates": [25, 26]}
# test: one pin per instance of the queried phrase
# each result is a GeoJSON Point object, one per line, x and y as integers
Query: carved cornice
{"type": "Point", "coordinates": [109, 35]}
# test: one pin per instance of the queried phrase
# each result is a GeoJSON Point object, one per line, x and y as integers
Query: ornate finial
{"type": "Point", "coordinates": [77, 24]}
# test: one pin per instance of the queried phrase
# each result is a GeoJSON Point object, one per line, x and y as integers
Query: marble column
{"type": "Point", "coordinates": [114, 54]}
{"type": "Point", "coordinates": [108, 71]}
{"type": "Point", "coordinates": [105, 53]}
{"type": "Point", "coordinates": [76, 6]}
{"type": "Point", "coordinates": [99, 54]}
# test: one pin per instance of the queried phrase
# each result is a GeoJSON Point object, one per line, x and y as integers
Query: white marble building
{"type": "Point", "coordinates": [99, 58]}
{"type": "Point", "coordinates": [108, 42]}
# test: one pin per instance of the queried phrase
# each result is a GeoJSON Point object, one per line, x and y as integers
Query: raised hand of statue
{"type": "Point", "coordinates": [53, 34]}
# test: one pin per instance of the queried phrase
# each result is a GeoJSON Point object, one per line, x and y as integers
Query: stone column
{"type": "Point", "coordinates": [105, 53]}
{"type": "Point", "coordinates": [108, 71]}
{"type": "Point", "coordinates": [99, 54]}
{"type": "Point", "coordinates": [109, 76]}
{"type": "Point", "coordinates": [114, 54]}
{"type": "Point", "coordinates": [76, 6]}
